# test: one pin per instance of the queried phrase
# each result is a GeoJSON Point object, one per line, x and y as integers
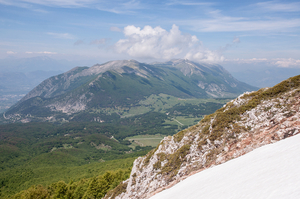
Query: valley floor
{"type": "Point", "coordinates": [271, 171]}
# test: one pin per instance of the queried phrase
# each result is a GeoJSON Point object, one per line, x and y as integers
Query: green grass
{"type": "Point", "coordinates": [157, 103]}
{"type": "Point", "coordinates": [180, 112]}
{"type": "Point", "coordinates": [144, 140]}
{"type": "Point", "coordinates": [183, 121]}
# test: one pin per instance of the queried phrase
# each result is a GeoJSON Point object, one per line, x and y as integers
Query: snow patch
{"type": "Point", "coordinates": [271, 171]}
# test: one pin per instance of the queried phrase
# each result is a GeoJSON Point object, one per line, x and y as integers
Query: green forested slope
{"type": "Point", "coordinates": [91, 187]}
{"type": "Point", "coordinates": [44, 153]}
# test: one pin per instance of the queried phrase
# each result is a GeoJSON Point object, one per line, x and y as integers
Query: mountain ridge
{"type": "Point", "coordinates": [270, 171]}
{"type": "Point", "coordinates": [250, 121]}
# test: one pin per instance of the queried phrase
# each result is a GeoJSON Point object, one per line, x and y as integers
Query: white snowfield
{"type": "Point", "coordinates": [269, 172]}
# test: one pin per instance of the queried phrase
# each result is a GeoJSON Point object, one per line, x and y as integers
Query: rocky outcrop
{"type": "Point", "coordinates": [242, 125]}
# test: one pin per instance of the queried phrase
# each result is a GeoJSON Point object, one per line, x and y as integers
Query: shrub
{"type": "Point", "coordinates": [34, 192]}
{"type": "Point", "coordinates": [121, 188]}
{"type": "Point", "coordinates": [178, 137]}
{"type": "Point", "coordinates": [175, 160]}
{"type": "Point", "coordinates": [161, 157]}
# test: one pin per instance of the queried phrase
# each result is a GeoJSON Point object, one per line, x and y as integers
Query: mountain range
{"type": "Point", "coordinates": [19, 76]}
{"type": "Point", "coordinates": [201, 157]}
{"type": "Point", "coordinates": [112, 88]}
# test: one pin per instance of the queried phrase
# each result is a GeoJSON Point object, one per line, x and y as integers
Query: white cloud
{"type": "Point", "coordinates": [11, 52]}
{"type": "Point", "coordinates": [56, 3]}
{"type": "Point", "coordinates": [41, 52]}
{"type": "Point", "coordinates": [278, 62]}
{"type": "Point", "coordinates": [22, 4]}
{"type": "Point", "coordinates": [157, 43]}
{"type": "Point", "coordinates": [218, 22]}
{"type": "Point", "coordinates": [116, 6]}
{"type": "Point", "coordinates": [252, 60]}
{"type": "Point", "coordinates": [61, 35]}
{"type": "Point", "coordinates": [189, 3]}
{"type": "Point", "coordinates": [279, 7]}
{"type": "Point", "coordinates": [204, 56]}
{"type": "Point", "coordinates": [288, 63]}
{"type": "Point", "coordinates": [47, 52]}
{"type": "Point", "coordinates": [121, 6]}
{"type": "Point", "coordinates": [236, 40]}
{"type": "Point", "coordinates": [233, 24]}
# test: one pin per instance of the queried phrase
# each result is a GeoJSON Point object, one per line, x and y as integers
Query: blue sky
{"type": "Point", "coordinates": [205, 31]}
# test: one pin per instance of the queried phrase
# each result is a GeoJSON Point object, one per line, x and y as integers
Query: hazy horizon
{"type": "Point", "coordinates": [223, 32]}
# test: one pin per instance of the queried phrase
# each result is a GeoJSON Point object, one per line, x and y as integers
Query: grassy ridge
{"type": "Point", "coordinates": [144, 140]}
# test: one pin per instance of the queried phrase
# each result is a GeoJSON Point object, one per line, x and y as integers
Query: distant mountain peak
{"type": "Point", "coordinates": [111, 84]}
{"type": "Point", "coordinates": [111, 65]}
{"type": "Point", "coordinates": [189, 68]}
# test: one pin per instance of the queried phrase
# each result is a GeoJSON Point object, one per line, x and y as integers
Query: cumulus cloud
{"type": "Point", "coordinates": [205, 56]}
{"type": "Point", "coordinates": [158, 43]}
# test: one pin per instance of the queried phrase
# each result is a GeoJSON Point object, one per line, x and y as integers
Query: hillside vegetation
{"type": "Point", "coordinates": [97, 115]}
{"type": "Point", "coordinates": [95, 187]}
{"type": "Point", "coordinates": [44, 153]}
{"type": "Point", "coordinates": [248, 122]}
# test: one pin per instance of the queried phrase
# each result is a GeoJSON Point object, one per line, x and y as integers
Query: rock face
{"type": "Point", "coordinates": [242, 125]}
{"type": "Point", "coordinates": [121, 84]}
{"type": "Point", "coordinates": [220, 88]}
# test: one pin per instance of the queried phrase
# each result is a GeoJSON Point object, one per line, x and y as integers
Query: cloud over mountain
{"type": "Point", "coordinates": [159, 43]}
